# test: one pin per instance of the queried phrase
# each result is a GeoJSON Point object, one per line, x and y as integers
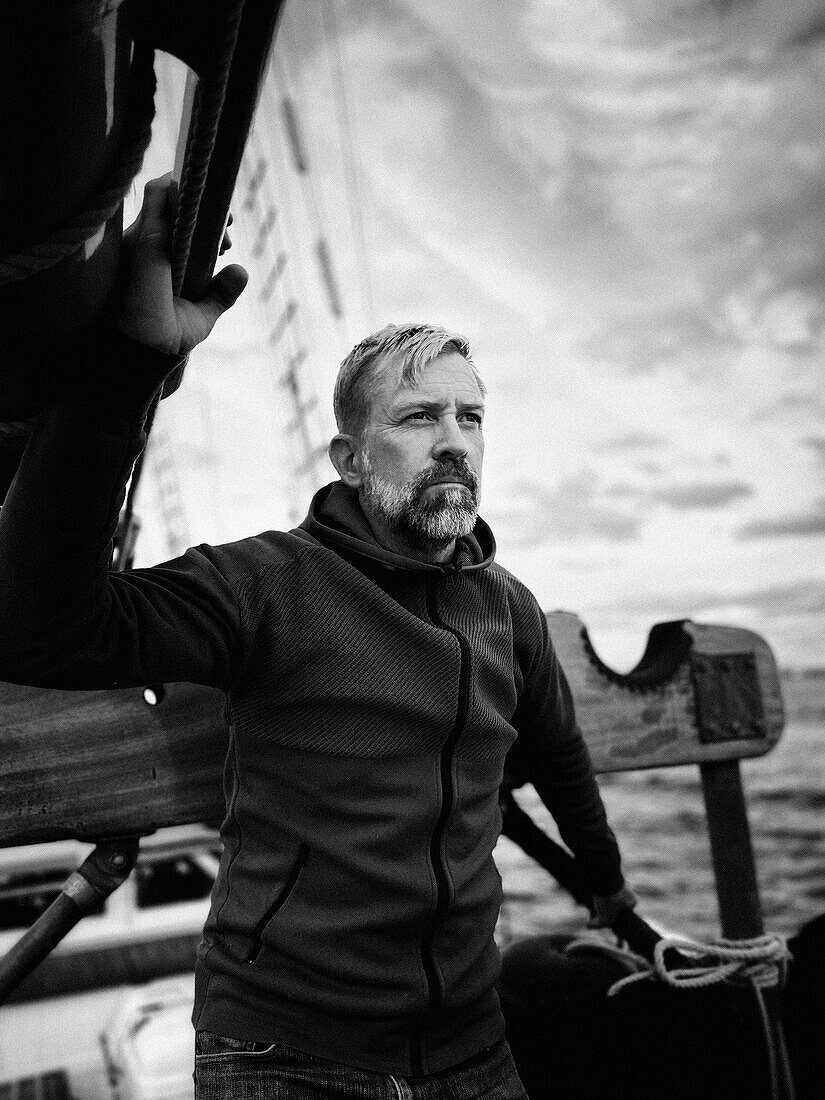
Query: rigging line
{"type": "Point", "coordinates": [348, 139]}
{"type": "Point", "coordinates": [287, 336]}
{"type": "Point", "coordinates": [285, 342]}
{"type": "Point", "coordinates": [313, 196]}
{"type": "Point", "coordinates": [288, 266]}
{"type": "Point", "coordinates": [287, 326]}
{"type": "Point", "coordinates": [253, 186]}
{"type": "Point", "coordinates": [256, 177]}
{"type": "Point", "coordinates": [278, 239]}
{"type": "Point", "coordinates": [286, 81]}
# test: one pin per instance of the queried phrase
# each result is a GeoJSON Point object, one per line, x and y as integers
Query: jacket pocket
{"type": "Point", "coordinates": [279, 902]}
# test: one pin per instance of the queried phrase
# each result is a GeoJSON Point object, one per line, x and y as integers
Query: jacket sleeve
{"type": "Point", "coordinates": [67, 620]}
{"type": "Point", "coordinates": [554, 755]}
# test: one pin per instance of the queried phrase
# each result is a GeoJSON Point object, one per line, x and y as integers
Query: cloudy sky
{"type": "Point", "coordinates": [622, 204]}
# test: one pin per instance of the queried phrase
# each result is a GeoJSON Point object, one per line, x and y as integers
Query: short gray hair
{"type": "Point", "coordinates": [416, 345]}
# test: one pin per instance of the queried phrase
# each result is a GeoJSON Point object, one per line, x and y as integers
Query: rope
{"type": "Point", "coordinates": [761, 962]}
{"type": "Point", "coordinates": [207, 107]}
{"type": "Point", "coordinates": [631, 961]}
{"type": "Point", "coordinates": [348, 143]}
{"type": "Point", "coordinates": [105, 202]}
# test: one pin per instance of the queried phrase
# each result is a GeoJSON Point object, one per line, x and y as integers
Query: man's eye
{"type": "Point", "coordinates": [420, 414]}
{"type": "Point", "coordinates": [474, 418]}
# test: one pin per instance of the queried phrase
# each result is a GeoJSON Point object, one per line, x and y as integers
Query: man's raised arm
{"type": "Point", "coordinates": [65, 620]}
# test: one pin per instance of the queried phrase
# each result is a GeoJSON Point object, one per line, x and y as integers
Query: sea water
{"type": "Point", "coordinates": [659, 819]}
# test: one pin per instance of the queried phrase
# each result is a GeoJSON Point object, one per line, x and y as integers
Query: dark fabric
{"type": "Point", "coordinates": [372, 700]}
{"type": "Point", "coordinates": [228, 1069]}
{"type": "Point", "coordinates": [649, 1041]}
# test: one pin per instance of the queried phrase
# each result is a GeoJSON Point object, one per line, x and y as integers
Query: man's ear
{"type": "Point", "coordinates": [345, 456]}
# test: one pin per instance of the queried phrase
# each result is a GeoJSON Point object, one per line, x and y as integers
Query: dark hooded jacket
{"type": "Point", "coordinates": [372, 700]}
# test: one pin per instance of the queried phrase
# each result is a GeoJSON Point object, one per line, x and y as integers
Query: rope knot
{"type": "Point", "coordinates": [760, 962]}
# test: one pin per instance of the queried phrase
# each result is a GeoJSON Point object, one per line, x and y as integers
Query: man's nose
{"type": "Point", "coordinates": [450, 440]}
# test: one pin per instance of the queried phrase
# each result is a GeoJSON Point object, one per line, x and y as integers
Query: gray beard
{"type": "Point", "coordinates": [427, 523]}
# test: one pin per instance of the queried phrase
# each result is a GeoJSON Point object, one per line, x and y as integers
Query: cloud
{"type": "Point", "coordinates": [444, 153]}
{"type": "Point", "coordinates": [790, 320]}
{"type": "Point", "coordinates": [798, 524]}
{"type": "Point", "coordinates": [805, 597]}
{"type": "Point", "coordinates": [644, 332]}
{"type": "Point", "coordinates": [533, 514]}
{"type": "Point", "coordinates": [701, 495]}
{"type": "Point", "coordinates": [793, 598]}
{"type": "Point", "coordinates": [651, 469]}
{"type": "Point", "coordinates": [817, 445]}
{"type": "Point", "coordinates": [688, 496]}
{"type": "Point", "coordinates": [581, 508]}
{"type": "Point", "coordinates": [632, 442]}
{"type": "Point", "coordinates": [790, 404]}
{"type": "Point", "coordinates": [623, 174]}
{"type": "Point", "coordinates": [792, 23]}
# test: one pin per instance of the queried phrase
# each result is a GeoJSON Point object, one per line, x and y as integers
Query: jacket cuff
{"type": "Point", "coordinates": [119, 379]}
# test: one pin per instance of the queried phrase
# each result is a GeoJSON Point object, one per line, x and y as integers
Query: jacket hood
{"type": "Point", "coordinates": [336, 519]}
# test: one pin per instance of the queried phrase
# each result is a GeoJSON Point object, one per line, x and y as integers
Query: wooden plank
{"type": "Point", "coordinates": [94, 764]}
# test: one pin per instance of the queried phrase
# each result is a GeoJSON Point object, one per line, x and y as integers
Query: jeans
{"type": "Point", "coordinates": [231, 1068]}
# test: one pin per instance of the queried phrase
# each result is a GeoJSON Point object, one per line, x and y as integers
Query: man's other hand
{"type": "Point", "coordinates": [605, 909]}
{"type": "Point", "coordinates": [149, 312]}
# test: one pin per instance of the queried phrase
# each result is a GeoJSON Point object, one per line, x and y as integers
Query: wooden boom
{"type": "Point", "coordinates": [89, 765]}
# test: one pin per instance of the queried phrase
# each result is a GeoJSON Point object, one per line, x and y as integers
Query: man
{"type": "Point", "coordinates": [378, 666]}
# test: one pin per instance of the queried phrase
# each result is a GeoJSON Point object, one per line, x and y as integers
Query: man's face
{"type": "Point", "coordinates": [421, 454]}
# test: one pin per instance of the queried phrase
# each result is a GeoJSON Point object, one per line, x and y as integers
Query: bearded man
{"type": "Point", "coordinates": [378, 666]}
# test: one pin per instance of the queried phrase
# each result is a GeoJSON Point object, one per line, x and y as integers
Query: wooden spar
{"type": "Point", "coordinates": [734, 866]}
{"type": "Point", "coordinates": [87, 765]}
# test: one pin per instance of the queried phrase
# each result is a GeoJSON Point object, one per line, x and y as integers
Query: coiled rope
{"type": "Point", "coordinates": [761, 961]}
{"type": "Point", "coordinates": [112, 189]}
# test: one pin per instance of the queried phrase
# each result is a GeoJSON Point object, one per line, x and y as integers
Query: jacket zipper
{"type": "Point", "coordinates": [278, 903]}
{"type": "Point", "coordinates": [447, 801]}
